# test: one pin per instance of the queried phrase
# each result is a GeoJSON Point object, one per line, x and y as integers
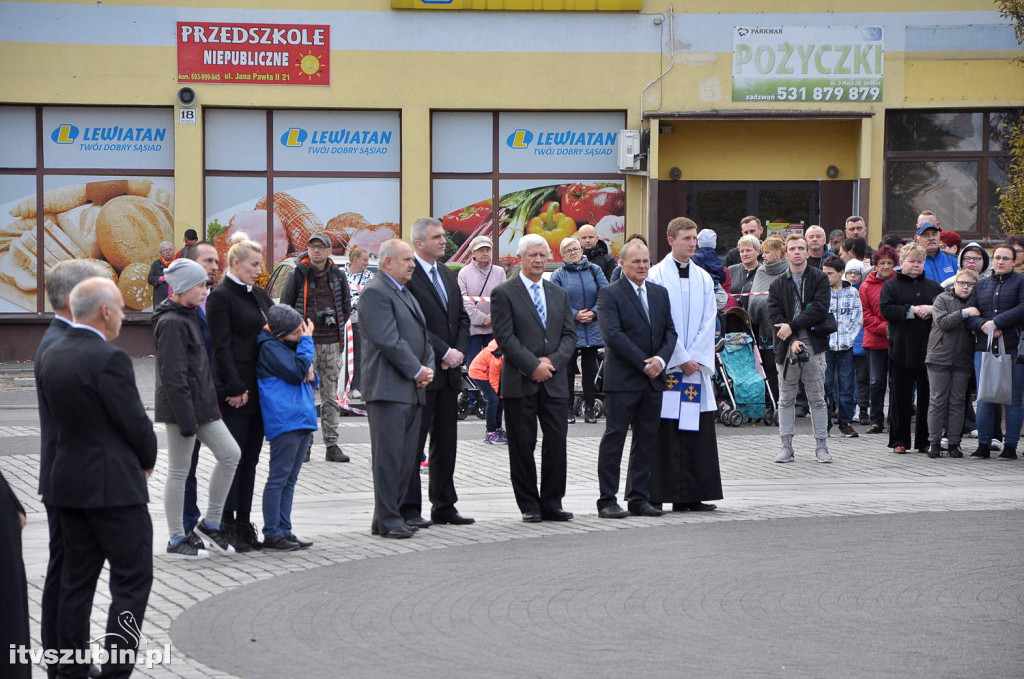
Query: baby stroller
{"type": "Point", "coordinates": [578, 403]}
{"type": "Point", "coordinates": [470, 388]}
{"type": "Point", "coordinates": [741, 380]}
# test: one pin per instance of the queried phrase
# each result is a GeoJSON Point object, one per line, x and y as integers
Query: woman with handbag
{"type": "Point", "coordinates": [906, 304]}
{"type": "Point", "coordinates": [999, 300]}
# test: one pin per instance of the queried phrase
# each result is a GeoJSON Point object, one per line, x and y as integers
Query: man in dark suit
{"type": "Point", "coordinates": [533, 324]}
{"type": "Point", "coordinates": [60, 282]}
{"type": "Point", "coordinates": [105, 451]}
{"type": "Point", "coordinates": [396, 369]}
{"type": "Point", "coordinates": [639, 337]}
{"type": "Point", "coordinates": [437, 290]}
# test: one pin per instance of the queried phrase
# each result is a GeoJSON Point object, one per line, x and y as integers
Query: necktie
{"type": "Point", "coordinates": [643, 303]}
{"type": "Point", "coordinates": [539, 304]}
{"type": "Point", "coordinates": [440, 288]}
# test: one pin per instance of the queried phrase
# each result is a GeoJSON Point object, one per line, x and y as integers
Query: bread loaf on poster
{"type": "Point", "coordinates": [13, 231]}
{"type": "Point", "coordinates": [108, 271]}
{"type": "Point", "coordinates": [131, 228]}
{"type": "Point", "coordinates": [80, 224]}
{"type": "Point", "coordinates": [12, 272]}
{"type": "Point", "coordinates": [69, 197]}
{"type": "Point", "coordinates": [134, 285]}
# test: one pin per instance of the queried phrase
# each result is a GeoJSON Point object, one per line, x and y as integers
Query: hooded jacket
{"type": "Point", "coordinates": [600, 256]}
{"type": "Point", "coordinates": [874, 323]}
{"type": "Point", "coordinates": [985, 262]}
{"type": "Point", "coordinates": [185, 392]}
{"type": "Point", "coordinates": [286, 399]}
{"type": "Point", "coordinates": [300, 291]}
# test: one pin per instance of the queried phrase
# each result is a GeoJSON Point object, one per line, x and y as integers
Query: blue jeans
{"type": "Point", "coordinates": [493, 405]}
{"type": "Point", "coordinates": [840, 380]}
{"type": "Point", "coordinates": [287, 453]}
{"type": "Point", "coordinates": [1014, 411]}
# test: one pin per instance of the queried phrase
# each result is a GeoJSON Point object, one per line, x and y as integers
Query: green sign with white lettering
{"type": "Point", "coordinates": [807, 63]}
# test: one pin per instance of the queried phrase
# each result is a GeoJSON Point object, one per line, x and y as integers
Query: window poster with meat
{"type": "Point", "coordinates": [577, 182]}
{"type": "Point", "coordinates": [254, 54]}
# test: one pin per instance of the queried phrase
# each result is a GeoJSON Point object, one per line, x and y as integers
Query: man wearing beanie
{"type": "Point", "coordinates": [286, 381]}
{"type": "Point", "coordinates": [186, 400]}
{"type": "Point", "coordinates": [319, 291]}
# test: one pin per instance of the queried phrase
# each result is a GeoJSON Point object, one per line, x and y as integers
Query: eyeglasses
{"type": "Point", "coordinates": [966, 284]}
{"type": "Point", "coordinates": [317, 248]}
{"type": "Point", "coordinates": [572, 250]}
{"type": "Point", "coordinates": [973, 259]}
{"type": "Point", "coordinates": [1001, 258]}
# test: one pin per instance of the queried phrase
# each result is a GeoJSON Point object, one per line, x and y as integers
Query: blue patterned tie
{"type": "Point", "coordinates": [539, 304]}
{"type": "Point", "coordinates": [440, 288]}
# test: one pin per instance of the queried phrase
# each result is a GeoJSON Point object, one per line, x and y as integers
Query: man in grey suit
{"type": "Point", "coordinates": [533, 324]}
{"type": "Point", "coordinates": [396, 355]}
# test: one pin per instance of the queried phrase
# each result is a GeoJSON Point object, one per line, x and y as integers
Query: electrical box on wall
{"type": "Point", "coordinates": [629, 151]}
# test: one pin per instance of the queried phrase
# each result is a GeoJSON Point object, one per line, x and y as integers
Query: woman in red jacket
{"type": "Point", "coordinates": [876, 342]}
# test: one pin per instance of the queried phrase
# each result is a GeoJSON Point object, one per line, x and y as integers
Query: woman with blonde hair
{"type": "Point", "coordinates": [773, 252]}
{"type": "Point", "coordinates": [236, 312]}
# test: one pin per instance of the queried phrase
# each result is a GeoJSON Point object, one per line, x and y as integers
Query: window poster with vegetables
{"type": "Point", "coordinates": [114, 219]}
{"type": "Point", "coordinates": [574, 154]}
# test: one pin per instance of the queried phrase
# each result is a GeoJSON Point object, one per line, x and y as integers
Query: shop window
{"type": "Point", "coordinates": [950, 162]}
{"type": "Point", "coordinates": [83, 183]}
{"type": "Point", "coordinates": [333, 171]}
{"type": "Point", "coordinates": [548, 173]}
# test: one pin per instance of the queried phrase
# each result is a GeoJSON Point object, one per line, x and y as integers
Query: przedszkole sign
{"type": "Point", "coordinates": [807, 63]}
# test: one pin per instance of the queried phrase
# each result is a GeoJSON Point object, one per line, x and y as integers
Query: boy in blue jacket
{"type": "Point", "coordinates": [286, 382]}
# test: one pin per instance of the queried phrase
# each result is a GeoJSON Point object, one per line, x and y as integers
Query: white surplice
{"type": "Point", "coordinates": [694, 314]}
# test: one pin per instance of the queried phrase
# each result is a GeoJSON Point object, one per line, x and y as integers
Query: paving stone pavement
{"type": "Point", "coordinates": [334, 504]}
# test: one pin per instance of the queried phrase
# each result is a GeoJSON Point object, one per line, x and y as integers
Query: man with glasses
{"type": "Point", "coordinates": [319, 290]}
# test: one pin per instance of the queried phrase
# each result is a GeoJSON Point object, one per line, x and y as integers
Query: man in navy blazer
{"type": "Point", "coordinates": [535, 330]}
{"type": "Point", "coordinates": [60, 282]}
{"type": "Point", "coordinates": [104, 454]}
{"type": "Point", "coordinates": [636, 324]}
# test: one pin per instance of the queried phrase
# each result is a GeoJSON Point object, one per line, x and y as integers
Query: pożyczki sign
{"type": "Point", "coordinates": [807, 63]}
{"type": "Point", "coordinates": [254, 54]}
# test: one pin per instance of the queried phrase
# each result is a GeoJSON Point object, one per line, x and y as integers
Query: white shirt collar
{"type": "Point", "coordinates": [248, 288]}
{"type": "Point", "coordinates": [64, 320]}
{"type": "Point", "coordinates": [635, 286]}
{"type": "Point", "coordinates": [425, 264]}
{"type": "Point", "coordinates": [529, 284]}
{"type": "Point", "coordinates": [89, 327]}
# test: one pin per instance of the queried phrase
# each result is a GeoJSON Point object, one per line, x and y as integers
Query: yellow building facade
{"type": "Point", "coordinates": [502, 118]}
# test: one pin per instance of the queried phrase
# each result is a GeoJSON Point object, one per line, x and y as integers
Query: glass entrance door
{"type": "Point", "coordinates": [721, 205]}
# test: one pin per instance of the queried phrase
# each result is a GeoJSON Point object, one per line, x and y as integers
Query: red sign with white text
{"type": "Point", "coordinates": [254, 54]}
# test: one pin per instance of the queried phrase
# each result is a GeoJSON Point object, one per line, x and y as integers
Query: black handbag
{"type": "Point", "coordinates": [826, 327]}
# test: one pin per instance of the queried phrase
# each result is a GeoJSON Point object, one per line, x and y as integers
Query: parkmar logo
{"type": "Point", "coordinates": [520, 139]}
{"type": "Point", "coordinates": [64, 134]}
{"type": "Point", "coordinates": [294, 137]}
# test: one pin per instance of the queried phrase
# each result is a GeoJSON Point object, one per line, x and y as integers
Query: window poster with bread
{"type": "Point", "coordinates": [117, 221]}
{"type": "Point", "coordinates": [354, 212]}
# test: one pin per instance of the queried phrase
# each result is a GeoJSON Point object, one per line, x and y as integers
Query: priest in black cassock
{"type": "Point", "coordinates": [686, 471]}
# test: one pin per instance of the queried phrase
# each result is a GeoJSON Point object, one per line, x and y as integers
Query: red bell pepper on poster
{"type": "Point", "coordinates": [467, 219]}
{"type": "Point", "coordinates": [590, 203]}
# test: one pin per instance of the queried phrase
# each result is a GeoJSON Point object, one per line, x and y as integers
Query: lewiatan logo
{"type": "Point", "coordinates": [294, 137]}
{"type": "Point", "coordinates": [563, 143]}
{"type": "Point", "coordinates": [520, 139]}
{"type": "Point", "coordinates": [64, 134]}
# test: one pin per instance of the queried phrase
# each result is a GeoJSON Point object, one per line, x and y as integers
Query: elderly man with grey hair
{"type": "Point", "coordinates": [105, 452]}
{"type": "Point", "coordinates": [62, 279]}
{"type": "Point", "coordinates": [534, 327]}
{"type": "Point", "coordinates": [156, 272]}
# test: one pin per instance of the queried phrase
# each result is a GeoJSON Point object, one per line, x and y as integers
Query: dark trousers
{"type": "Point", "coordinates": [863, 387]}
{"type": "Point", "coordinates": [394, 429]}
{"type": "Point", "coordinates": [878, 367]}
{"type": "Point", "coordinates": [50, 603]}
{"type": "Point", "coordinates": [190, 515]}
{"type": "Point", "coordinates": [904, 382]}
{"type": "Point", "coordinates": [588, 364]}
{"type": "Point", "coordinates": [122, 536]}
{"type": "Point", "coordinates": [247, 430]}
{"type": "Point", "coordinates": [440, 420]}
{"type": "Point", "coordinates": [356, 346]}
{"type": "Point", "coordinates": [14, 623]}
{"type": "Point", "coordinates": [523, 414]}
{"type": "Point", "coordinates": [642, 410]}
{"type": "Point", "coordinates": [287, 453]}
{"type": "Point", "coordinates": [771, 373]}
{"type": "Point", "coordinates": [494, 409]}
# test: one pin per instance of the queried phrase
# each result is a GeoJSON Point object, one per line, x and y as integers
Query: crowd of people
{"type": "Point", "coordinates": [934, 323]}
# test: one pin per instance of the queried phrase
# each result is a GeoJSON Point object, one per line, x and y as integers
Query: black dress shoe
{"type": "Point", "coordinates": [955, 451]}
{"type": "Point", "coordinates": [612, 512]}
{"type": "Point", "coordinates": [418, 522]}
{"type": "Point", "coordinates": [557, 514]}
{"type": "Point", "coordinates": [398, 533]}
{"type": "Point", "coordinates": [532, 517]}
{"type": "Point", "coordinates": [572, 419]}
{"type": "Point", "coordinates": [376, 531]}
{"type": "Point", "coordinates": [934, 451]}
{"type": "Point", "coordinates": [453, 519]}
{"type": "Point", "coordinates": [694, 507]}
{"type": "Point", "coordinates": [303, 544]}
{"type": "Point", "coordinates": [645, 509]}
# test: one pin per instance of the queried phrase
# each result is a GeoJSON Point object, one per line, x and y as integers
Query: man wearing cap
{"type": "Point", "coordinates": [938, 266]}
{"type": "Point", "coordinates": [478, 279]}
{"type": "Point", "coordinates": [319, 290]}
